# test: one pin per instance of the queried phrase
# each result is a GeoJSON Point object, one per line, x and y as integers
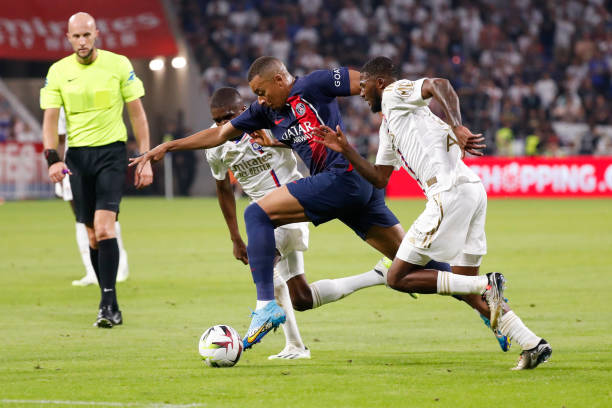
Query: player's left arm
{"type": "Point", "coordinates": [376, 174]}
{"type": "Point", "coordinates": [442, 91]}
{"type": "Point", "coordinates": [227, 202]}
{"type": "Point", "coordinates": [140, 125]}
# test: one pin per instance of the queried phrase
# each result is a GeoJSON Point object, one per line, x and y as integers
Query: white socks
{"type": "Point", "coordinates": [512, 326]}
{"type": "Point", "coordinates": [123, 270]}
{"type": "Point", "coordinates": [290, 328]}
{"type": "Point", "coordinates": [330, 290]}
{"type": "Point", "coordinates": [82, 240]}
{"type": "Point", "coordinates": [453, 284]}
{"type": "Point", "coordinates": [261, 304]}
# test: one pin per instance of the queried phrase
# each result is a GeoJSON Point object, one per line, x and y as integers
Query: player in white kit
{"type": "Point", "coordinates": [451, 229]}
{"type": "Point", "coordinates": [64, 191]}
{"type": "Point", "coordinates": [260, 170]}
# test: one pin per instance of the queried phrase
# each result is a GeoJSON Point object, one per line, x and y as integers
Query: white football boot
{"type": "Point", "coordinates": [291, 352]}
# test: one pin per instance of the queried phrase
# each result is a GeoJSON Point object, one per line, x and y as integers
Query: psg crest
{"type": "Point", "coordinates": [300, 109]}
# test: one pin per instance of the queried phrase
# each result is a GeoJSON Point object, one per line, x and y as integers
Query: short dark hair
{"type": "Point", "coordinates": [226, 96]}
{"type": "Point", "coordinates": [380, 66]}
{"type": "Point", "coordinates": [260, 65]}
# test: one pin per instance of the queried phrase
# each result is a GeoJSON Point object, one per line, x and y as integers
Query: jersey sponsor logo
{"type": "Point", "coordinates": [252, 167]}
{"type": "Point", "coordinates": [132, 75]}
{"type": "Point", "coordinates": [337, 77]}
{"type": "Point", "coordinates": [298, 133]}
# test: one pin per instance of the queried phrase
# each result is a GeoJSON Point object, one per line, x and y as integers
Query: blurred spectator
{"type": "Point", "coordinates": [589, 140]}
{"type": "Point", "coordinates": [213, 77]}
{"type": "Point", "coordinates": [24, 133]}
{"type": "Point", "coordinates": [516, 65]}
{"type": "Point", "coordinates": [183, 162]}
{"type": "Point", "coordinates": [568, 107]}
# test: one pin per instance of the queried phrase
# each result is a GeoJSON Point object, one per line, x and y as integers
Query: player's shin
{"type": "Point", "coordinates": [330, 290]}
{"type": "Point", "coordinates": [83, 244]}
{"type": "Point", "coordinates": [290, 328]}
{"type": "Point", "coordinates": [261, 250]}
{"type": "Point", "coordinates": [453, 284]}
{"type": "Point", "coordinates": [512, 326]}
{"type": "Point", "coordinates": [108, 261]}
{"type": "Point", "coordinates": [123, 272]}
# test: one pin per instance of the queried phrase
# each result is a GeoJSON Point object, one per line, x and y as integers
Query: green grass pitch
{"type": "Point", "coordinates": [376, 348]}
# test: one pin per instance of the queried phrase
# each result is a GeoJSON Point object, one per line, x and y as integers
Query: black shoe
{"type": "Point", "coordinates": [117, 318]}
{"type": "Point", "coordinates": [107, 318]}
{"type": "Point", "coordinates": [532, 358]}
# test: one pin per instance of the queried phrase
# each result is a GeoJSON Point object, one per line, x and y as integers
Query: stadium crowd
{"type": "Point", "coordinates": [12, 128]}
{"type": "Point", "coordinates": [533, 76]}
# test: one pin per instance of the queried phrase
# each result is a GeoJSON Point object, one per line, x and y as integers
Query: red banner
{"type": "Point", "coordinates": [36, 29]}
{"type": "Point", "coordinates": [528, 177]}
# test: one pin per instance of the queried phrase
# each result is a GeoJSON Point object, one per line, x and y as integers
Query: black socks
{"type": "Point", "coordinates": [106, 270]}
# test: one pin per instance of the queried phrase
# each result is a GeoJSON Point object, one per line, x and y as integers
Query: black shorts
{"type": "Point", "coordinates": [98, 174]}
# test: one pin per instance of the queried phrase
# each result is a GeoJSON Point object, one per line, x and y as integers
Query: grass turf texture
{"type": "Point", "coordinates": [375, 348]}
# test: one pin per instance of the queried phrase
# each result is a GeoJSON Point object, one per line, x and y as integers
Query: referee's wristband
{"type": "Point", "coordinates": [52, 156]}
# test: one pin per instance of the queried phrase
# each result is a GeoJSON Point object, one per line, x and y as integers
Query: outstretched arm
{"type": "Point", "coordinates": [442, 91]}
{"type": "Point", "coordinates": [336, 140]}
{"type": "Point", "coordinates": [138, 119]}
{"type": "Point", "coordinates": [227, 202]}
{"type": "Point", "coordinates": [203, 139]}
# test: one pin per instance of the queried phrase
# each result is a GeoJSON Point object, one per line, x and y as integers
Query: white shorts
{"type": "Point", "coordinates": [451, 229]}
{"type": "Point", "coordinates": [291, 237]}
{"type": "Point", "coordinates": [63, 189]}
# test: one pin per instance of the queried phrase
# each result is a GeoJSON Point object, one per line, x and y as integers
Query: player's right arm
{"type": "Point", "coordinates": [58, 169]}
{"type": "Point", "coordinates": [227, 202]}
{"type": "Point", "coordinates": [51, 101]}
{"type": "Point", "coordinates": [376, 174]}
{"type": "Point", "coordinates": [203, 139]}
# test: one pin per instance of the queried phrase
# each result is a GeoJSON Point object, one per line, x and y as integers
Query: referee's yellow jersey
{"type": "Point", "coordinates": [93, 96]}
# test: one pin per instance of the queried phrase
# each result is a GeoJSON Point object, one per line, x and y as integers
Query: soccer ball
{"type": "Point", "coordinates": [220, 346]}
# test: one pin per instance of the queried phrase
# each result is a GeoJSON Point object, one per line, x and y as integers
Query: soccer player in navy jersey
{"type": "Point", "coordinates": [292, 108]}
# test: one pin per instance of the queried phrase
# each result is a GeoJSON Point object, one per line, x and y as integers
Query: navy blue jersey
{"type": "Point", "coordinates": [311, 103]}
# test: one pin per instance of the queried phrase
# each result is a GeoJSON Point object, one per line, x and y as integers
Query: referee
{"type": "Point", "coordinates": [92, 85]}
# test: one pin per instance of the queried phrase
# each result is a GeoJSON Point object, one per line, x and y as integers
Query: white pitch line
{"type": "Point", "coordinates": [103, 404]}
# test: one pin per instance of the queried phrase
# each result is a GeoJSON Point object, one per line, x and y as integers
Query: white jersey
{"type": "Point", "coordinates": [258, 169]}
{"type": "Point", "coordinates": [413, 137]}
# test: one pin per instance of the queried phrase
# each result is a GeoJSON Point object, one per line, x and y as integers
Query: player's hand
{"type": "Point", "coordinates": [262, 137]}
{"type": "Point", "coordinates": [145, 177]}
{"type": "Point", "coordinates": [57, 171]}
{"type": "Point", "coordinates": [240, 251]}
{"type": "Point", "coordinates": [469, 142]}
{"type": "Point", "coordinates": [334, 140]}
{"type": "Point", "coordinates": [152, 156]}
